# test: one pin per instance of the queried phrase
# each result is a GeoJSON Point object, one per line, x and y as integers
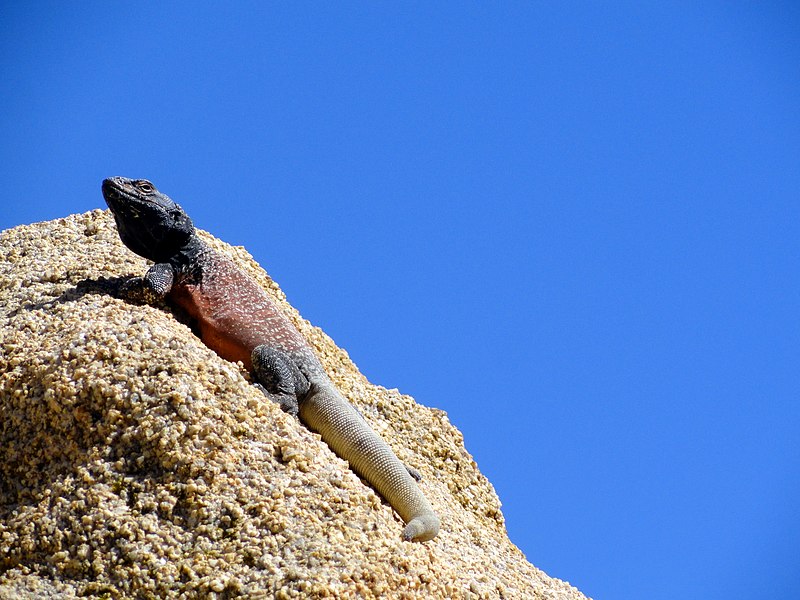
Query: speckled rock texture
{"type": "Point", "coordinates": [136, 463]}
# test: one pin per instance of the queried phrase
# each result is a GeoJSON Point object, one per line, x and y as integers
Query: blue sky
{"type": "Point", "coordinates": [572, 226]}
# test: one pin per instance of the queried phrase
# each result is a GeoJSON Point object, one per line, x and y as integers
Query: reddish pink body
{"type": "Point", "coordinates": [233, 313]}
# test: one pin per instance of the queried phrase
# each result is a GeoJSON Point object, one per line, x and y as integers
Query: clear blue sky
{"type": "Point", "coordinates": [572, 226]}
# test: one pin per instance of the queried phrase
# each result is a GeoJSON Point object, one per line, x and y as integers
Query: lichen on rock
{"type": "Point", "coordinates": [135, 462]}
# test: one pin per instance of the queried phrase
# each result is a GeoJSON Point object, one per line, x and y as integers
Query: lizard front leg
{"type": "Point", "coordinates": [150, 289]}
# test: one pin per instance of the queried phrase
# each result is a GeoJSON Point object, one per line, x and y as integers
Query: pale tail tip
{"type": "Point", "coordinates": [422, 528]}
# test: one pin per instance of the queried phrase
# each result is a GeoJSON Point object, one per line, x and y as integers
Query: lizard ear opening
{"type": "Point", "coordinates": [182, 225]}
{"type": "Point", "coordinates": [152, 231]}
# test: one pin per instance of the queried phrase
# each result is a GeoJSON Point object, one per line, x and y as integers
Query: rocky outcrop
{"type": "Point", "coordinates": [135, 462]}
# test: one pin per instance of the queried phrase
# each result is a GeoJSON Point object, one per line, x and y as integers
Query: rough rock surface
{"type": "Point", "coordinates": [135, 462]}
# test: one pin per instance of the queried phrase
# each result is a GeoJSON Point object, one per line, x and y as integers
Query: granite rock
{"type": "Point", "coordinates": [136, 463]}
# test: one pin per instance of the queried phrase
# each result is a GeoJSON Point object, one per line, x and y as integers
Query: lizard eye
{"type": "Point", "coordinates": [145, 186]}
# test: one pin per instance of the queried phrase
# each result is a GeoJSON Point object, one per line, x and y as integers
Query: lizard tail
{"type": "Point", "coordinates": [347, 433]}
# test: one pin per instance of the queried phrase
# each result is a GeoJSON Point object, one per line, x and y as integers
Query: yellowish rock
{"type": "Point", "coordinates": [135, 462]}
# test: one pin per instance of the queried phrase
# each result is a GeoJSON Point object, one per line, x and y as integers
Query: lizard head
{"type": "Point", "coordinates": [149, 223]}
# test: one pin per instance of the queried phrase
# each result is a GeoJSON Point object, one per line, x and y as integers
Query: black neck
{"type": "Point", "coordinates": [188, 254]}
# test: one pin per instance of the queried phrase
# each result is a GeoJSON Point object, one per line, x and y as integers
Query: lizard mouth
{"type": "Point", "coordinates": [111, 192]}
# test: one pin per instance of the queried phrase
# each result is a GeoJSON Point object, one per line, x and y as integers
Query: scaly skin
{"type": "Point", "coordinates": [237, 319]}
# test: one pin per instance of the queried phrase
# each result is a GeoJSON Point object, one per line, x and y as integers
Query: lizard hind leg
{"type": "Point", "coordinates": [279, 377]}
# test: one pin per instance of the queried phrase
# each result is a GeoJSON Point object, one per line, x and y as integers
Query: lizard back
{"type": "Point", "coordinates": [232, 313]}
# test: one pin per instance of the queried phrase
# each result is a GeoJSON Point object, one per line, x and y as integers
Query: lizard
{"type": "Point", "coordinates": [240, 322]}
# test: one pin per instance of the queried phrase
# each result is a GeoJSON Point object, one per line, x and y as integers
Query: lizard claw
{"type": "Point", "coordinates": [416, 475]}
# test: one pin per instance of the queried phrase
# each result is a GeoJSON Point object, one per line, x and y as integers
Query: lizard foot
{"type": "Point", "coordinates": [137, 291]}
{"type": "Point", "coordinates": [287, 402]}
{"type": "Point", "coordinates": [416, 475]}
